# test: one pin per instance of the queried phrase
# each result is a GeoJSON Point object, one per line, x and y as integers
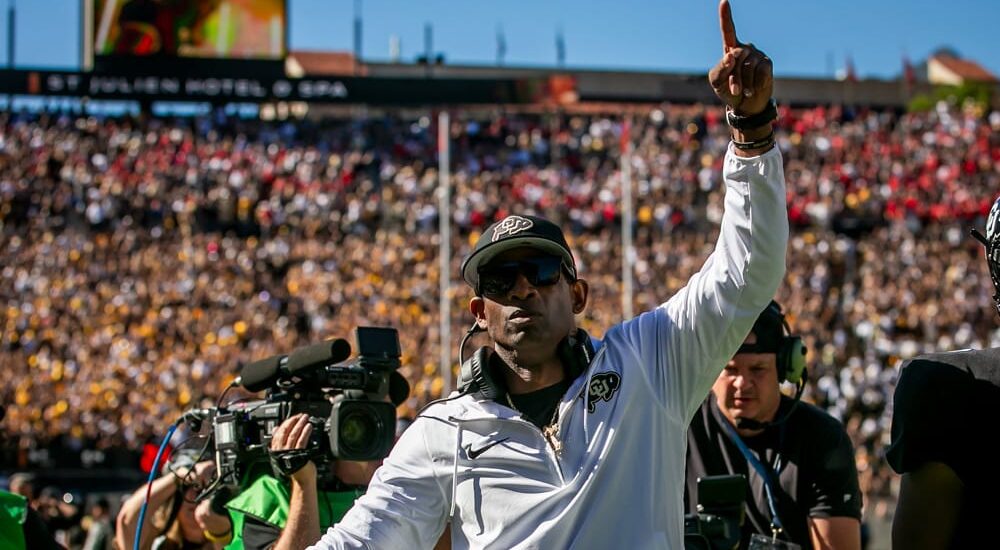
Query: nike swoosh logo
{"type": "Point", "coordinates": [474, 453]}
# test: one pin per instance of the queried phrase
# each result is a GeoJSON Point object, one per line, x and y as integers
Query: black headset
{"type": "Point", "coordinates": [791, 354]}
{"type": "Point", "coordinates": [476, 376]}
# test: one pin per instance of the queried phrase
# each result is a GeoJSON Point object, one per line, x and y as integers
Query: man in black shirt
{"type": "Point", "coordinates": [798, 460]}
{"type": "Point", "coordinates": [945, 439]}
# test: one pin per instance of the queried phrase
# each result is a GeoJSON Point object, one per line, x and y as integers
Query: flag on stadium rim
{"type": "Point", "coordinates": [909, 74]}
{"type": "Point", "coordinates": [850, 75]}
{"type": "Point", "coordinates": [625, 140]}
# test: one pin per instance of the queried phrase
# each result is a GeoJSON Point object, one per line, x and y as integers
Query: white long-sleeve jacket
{"type": "Point", "coordinates": [618, 479]}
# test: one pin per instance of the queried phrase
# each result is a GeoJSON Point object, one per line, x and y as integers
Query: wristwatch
{"type": "Point", "coordinates": [757, 120]}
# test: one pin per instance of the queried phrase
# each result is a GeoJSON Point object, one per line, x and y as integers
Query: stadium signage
{"type": "Point", "coordinates": [261, 88]}
{"type": "Point", "coordinates": [158, 87]}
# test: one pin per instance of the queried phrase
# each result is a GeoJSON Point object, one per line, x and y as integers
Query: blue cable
{"type": "Point", "coordinates": [765, 472]}
{"type": "Point", "coordinates": [149, 483]}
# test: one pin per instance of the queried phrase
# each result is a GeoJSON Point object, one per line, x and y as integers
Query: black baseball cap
{"type": "Point", "coordinates": [512, 232]}
{"type": "Point", "coordinates": [769, 330]}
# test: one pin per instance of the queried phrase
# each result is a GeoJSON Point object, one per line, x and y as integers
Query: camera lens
{"type": "Point", "coordinates": [358, 431]}
{"type": "Point", "coordinates": [361, 429]}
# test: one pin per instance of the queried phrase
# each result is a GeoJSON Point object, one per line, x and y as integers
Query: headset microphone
{"type": "Point", "coordinates": [751, 424]}
{"type": "Point", "coordinates": [466, 382]}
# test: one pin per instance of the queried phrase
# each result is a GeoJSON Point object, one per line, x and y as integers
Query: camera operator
{"type": "Point", "coordinates": [798, 460]}
{"type": "Point", "coordinates": [943, 441]}
{"type": "Point", "coordinates": [174, 520]}
{"type": "Point", "coordinates": [303, 454]}
{"type": "Point", "coordinates": [287, 511]}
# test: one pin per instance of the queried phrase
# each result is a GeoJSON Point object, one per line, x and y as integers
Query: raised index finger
{"type": "Point", "coordinates": [729, 40]}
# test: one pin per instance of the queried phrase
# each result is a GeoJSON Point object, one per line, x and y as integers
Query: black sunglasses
{"type": "Point", "coordinates": [499, 279]}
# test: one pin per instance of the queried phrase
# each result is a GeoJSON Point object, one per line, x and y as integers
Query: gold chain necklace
{"type": "Point", "coordinates": [550, 431]}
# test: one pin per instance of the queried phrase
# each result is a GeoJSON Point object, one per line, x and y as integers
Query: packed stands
{"type": "Point", "coordinates": [146, 260]}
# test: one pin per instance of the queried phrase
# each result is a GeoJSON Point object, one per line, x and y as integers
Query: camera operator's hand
{"type": "Point", "coordinates": [289, 458]}
{"type": "Point", "coordinates": [293, 434]}
{"type": "Point", "coordinates": [199, 476]}
{"type": "Point", "coordinates": [216, 527]}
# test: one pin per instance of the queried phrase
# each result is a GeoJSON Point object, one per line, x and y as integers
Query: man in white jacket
{"type": "Point", "coordinates": [549, 444]}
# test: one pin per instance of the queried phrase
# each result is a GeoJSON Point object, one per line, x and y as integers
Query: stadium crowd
{"type": "Point", "coordinates": [146, 260]}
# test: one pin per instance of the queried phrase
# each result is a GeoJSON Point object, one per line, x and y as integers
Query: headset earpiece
{"type": "Point", "coordinates": [791, 356]}
{"type": "Point", "coordinates": [792, 360]}
{"type": "Point", "coordinates": [476, 377]}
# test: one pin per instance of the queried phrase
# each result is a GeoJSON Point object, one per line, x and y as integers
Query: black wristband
{"type": "Point", "coordinates": [766, 141]}
{"type": "Point", "coordinates": [769, 114]}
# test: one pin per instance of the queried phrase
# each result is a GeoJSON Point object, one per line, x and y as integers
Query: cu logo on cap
{"type": "Point", "coordinates": [511, 225]}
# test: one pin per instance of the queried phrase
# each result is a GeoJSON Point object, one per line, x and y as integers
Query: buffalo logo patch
{"type": "Point", "coordinates": [511, 225]}
{"type": "Point", "coordinates": [602, 387]}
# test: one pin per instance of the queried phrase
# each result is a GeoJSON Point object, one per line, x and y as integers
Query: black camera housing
{"type": "Point", "coordinates": [346, 403]}
{"type": "Point", "coordinates": [719, 522]}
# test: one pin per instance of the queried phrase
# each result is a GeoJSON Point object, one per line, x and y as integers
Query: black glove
{"type": "Point", "coordinates": [287, 462]}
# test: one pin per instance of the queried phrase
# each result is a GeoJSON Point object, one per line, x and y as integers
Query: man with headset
{"type": "Point", "coordinates": [551, 443]}
{"type": "Point", "coordinates": [798, 460]}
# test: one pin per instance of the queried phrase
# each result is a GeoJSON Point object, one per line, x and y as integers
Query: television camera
{"type": "Point", "coordinates": [344, 400]}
